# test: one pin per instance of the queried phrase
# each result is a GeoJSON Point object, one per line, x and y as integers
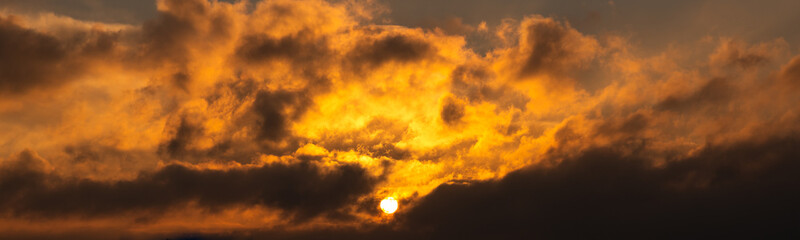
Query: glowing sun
{"type": "Point", "coordinates": [389, 205]}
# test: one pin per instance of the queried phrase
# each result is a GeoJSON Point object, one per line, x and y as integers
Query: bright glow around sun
{"type": "Point", "coordinates": [389, 205]}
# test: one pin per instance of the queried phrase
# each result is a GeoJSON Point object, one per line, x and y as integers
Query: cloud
{"type": "Point", "coordinates": [103, 10]}
{"type": "Point", "coordinates": [35, 61]}
{"type": "Point", "coordinates": [399, 48]}
{"type": "Point", "coordinates": [790, 73]}
{"type": "Point", "coordinates": [713, 93]}
{"type": "Point", "coordinates": [301, 47]}
{"type": "Point", "coordinates": [738, 190]}
{"type": "Point", "coordinates": [178, 24]}
{"type": "Point", "coordinates": [452, 111]}
{"type": "Point", "coordinates": [293, 119]}
{"type": "Point", "coordinates": [546, 45]}
{"type": "Point", "coordinates": [478, 84]}
{"type": "Point", "coordinates": [302, 190]}
{"type": "Point", "coordinates": [378, 138]}
{"type": "Point", "coordinates": [451, 25]}
{"type": "Point", "coordinates": [185, 133]}
{"type": "Point", "coordinates": [276, 110]}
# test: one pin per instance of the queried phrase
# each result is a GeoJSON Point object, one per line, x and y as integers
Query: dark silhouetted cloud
{"type": "Point", "coordinates": [741, 190]}
{"type": "Point", "coordinates": [30, 60]}
{"type": "Point", "coordinates": [389, 48]}
{"type": "Point", "coordinates": [301, 190]}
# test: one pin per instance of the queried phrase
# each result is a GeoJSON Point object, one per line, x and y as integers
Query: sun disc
{"type": "Point", "coordinates": [389, 205]}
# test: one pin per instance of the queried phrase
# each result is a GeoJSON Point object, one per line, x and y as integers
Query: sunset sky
{"type": "Point", "coordinates": [307, 119]}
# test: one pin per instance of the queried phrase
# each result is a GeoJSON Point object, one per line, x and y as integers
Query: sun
{"type": "Point", "coordinates": [389, 205]}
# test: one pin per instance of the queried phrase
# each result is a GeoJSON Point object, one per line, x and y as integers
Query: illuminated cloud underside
{"type": "Point", "coordinates": [294, 119]}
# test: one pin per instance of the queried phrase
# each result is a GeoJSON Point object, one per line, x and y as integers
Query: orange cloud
{"type": "Point", "coordinates": [300, 116]}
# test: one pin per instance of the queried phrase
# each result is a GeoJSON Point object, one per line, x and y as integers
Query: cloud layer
{"type": "Point", "coordinates": [293, 119]}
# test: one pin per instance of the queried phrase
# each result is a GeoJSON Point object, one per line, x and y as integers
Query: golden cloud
{"type": "Point", "coordinates": [302, 115]}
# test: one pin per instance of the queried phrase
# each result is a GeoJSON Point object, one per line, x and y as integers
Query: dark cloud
{"type": "Point", "coordinates": [180, 27]}
{"type": "Point", "coordinates": [96, 44]}
{"type": "Point", "coordinates": [715, 91]}
{"type": "Point", "coordinates": [181, 80]}
{"type": "Point", "coordinates": [452, 111]}
{"type": "Point", "coordinates": [30, 59]}
{"type": "Point", "coordinates": [88, 152]}
{"type": "Point", "coordinates": [746, 60]}
{"type": "Point", "coordinates": [82, 153]}
{"type": "Point", "coordinates": [550, 47]}
{"type": "Point", "coordinates": [275, 110]}
{"type": "Point", "coordinates": [628, 126]}
{"type": "Point", "coordinates": [390, 48]}
{"type": "Point", "coordinates": [301, 48]}
{"type": "Point", "coordinates": [166, 36]}
{"type": "Point", "coordinates": [24, 171]}
{"type": "Point", "coordinates": [185, 133]}
{"type": "Point", "coordinates": [745, 190]}
{"type": "Point", "coordinates": [546, 41]}
{"type": "Point", "coordinates": [98, 160]}
{"type": "Point", "coordinates": [301, 190]}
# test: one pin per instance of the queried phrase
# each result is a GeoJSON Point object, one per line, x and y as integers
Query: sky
{"type": "Point", "coordinates": [295, 119]}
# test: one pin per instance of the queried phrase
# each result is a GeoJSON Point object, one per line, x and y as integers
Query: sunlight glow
{"type": "Point", "coordinates": [389, 205]}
